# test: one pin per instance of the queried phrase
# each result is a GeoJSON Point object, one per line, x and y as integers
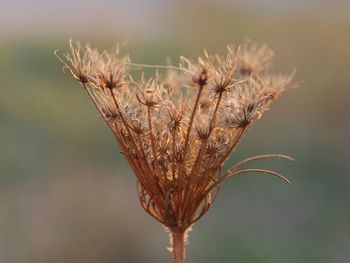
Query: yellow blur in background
{"type": "Point", "coordinates": [66, 193]}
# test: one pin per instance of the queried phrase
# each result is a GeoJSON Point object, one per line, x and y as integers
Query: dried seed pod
{"type": "Point", "coordinates": [176, 131]}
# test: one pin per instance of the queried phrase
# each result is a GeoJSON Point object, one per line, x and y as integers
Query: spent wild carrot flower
{"type": "Point", "coordinates": [176, 131]}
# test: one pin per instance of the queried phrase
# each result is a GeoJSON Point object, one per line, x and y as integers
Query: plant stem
{"type": "Point", "coordinates": [178, 245]}
{"type": "Point", "coordinates": [192, 116]}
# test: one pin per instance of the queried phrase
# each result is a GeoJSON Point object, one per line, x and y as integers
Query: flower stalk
{"type": "Point", "coordinates": [178, 242]}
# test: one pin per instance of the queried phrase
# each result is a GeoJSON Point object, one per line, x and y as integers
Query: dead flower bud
{"type": "Point", "coordinates": [175, 121]}
{"type": "Point", "coordinates": [80, 61]}
{"type": "Point", "coordinates": [203, 127]}
{"type": "Point", "coordinates": [198, 72]}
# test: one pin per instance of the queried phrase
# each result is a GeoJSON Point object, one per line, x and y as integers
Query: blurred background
{"type": "Point", "coordinates": [66, 193]}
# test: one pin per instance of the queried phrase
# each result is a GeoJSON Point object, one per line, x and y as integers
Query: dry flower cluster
{"type": "Point", "coordinates": [176, 130]}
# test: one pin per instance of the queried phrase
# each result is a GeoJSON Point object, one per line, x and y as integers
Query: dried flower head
{"type": "Point", "coordinates": [176, 131]}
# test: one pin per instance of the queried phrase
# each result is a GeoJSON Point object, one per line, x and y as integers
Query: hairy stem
{"type": "Point", "coordinates": [178, 237]}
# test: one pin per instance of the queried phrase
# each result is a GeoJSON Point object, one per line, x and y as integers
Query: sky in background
{"type": "Point", "coordinates": [134, 18]}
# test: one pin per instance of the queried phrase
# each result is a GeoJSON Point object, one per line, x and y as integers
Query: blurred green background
{"type": "Point", "coordinates": [67, 195]}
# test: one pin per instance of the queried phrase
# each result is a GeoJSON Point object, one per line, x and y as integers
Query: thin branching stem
{"type": "Point", "coordinates": [120, 142]}
{"type": "Point", "coordinates": [192, 116]}
{"type": "Point", "coordinates": [139, 158]}
{"type": "Point", "coordinates": [233, 146]}
{"type": "Point", "coordinates": [229, 175]}
{"type": "Point", "coordinates": [259, 157]}
{"type": "Point", "coordinates": [158, 66]}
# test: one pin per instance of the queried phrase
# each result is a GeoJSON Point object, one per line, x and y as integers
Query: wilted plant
{"type": "Point", "coordinates": [177, 130]}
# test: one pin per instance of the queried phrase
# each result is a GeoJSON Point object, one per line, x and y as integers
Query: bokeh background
{"type": "Point", "coordinates": [66, 193]}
